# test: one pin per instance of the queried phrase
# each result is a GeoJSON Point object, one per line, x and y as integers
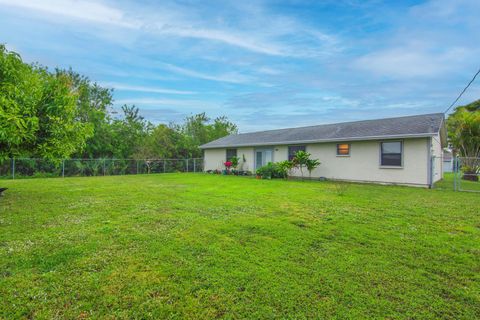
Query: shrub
{"type": "Point", "coordinates": [235, 161]}
{"type": "Point", "coordinates": [271, 170]}
{"type": "Point", "coordinates": [285, 167]}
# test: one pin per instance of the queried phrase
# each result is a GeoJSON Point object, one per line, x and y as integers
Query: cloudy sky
{"type": "Point", "coordinates": [264, 64]}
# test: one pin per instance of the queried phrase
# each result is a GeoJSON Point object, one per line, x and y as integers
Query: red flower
{"type": "Point", "coordinates": [228, 164]}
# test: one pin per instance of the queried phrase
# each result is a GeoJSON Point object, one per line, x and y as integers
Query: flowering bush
{"type": "Point", "coordinates": [228, 164]}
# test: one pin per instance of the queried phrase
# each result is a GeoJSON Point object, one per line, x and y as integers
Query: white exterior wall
{"type": "Point", "coordinates": [248, 165]}
{"type": "Point", "coordinates": [215, 158]}
{"type": "Point", "coordinates": [363, 164]}
{"type": "Point", "coordinates": [437, 153]}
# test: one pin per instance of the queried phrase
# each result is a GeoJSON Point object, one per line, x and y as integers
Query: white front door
{"type": "Point", "coordinates": [262, 157]}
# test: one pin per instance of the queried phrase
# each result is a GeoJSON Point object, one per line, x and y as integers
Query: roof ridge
{"type": "Point", "coordinates": [337, 123]}
{"type": "Point", "coordinates": [412, 125]}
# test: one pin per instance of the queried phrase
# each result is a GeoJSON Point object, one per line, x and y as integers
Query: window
{"type": "Point", "coordinates": [294, 149]}
{"type": "Point", "coordinates": [231, 153]}
{"type": "Point", "coordinates": [343, 149]}
{"type": "Point", "coordinates": [391, 154]}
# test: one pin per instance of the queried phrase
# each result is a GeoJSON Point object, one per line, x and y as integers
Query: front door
{"type": "Point", "coordinates": [262, 157]}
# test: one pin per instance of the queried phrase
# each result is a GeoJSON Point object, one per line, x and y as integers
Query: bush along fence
{"type": "Point", "coordinates": [35, 168]}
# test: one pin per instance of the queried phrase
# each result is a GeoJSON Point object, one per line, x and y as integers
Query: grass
{"type": "Point", "coordinates": [448, 184]}
{"type": "Point", "coordinates": [202, 246]}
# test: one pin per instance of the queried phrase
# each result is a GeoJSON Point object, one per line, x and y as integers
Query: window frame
{"type": "Point", "coordinates": [226, 154]}
{"type": "Point", "coordinates": [295, 146]}
{"type": "Point", "coordinates": [349, 150]}
{"type": "Point", "coordinates": [390, 166]}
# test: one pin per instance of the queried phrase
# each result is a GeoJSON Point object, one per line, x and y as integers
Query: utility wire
{"type": "Point", "coordinates": [465, 89]}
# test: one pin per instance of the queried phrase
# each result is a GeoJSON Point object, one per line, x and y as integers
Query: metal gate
{"type": "Point", "coordinates": [466, 174]}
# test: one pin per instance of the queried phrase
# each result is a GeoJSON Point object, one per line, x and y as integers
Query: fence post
{"type": "Point", "coordinates": [186, 164]}
{"type": "Point", "coordinates": [104, 167]}
{"type": "Point", "coordinates": [194, 168]}
{"type": "Point", "coordinates": [455, 173]}
{"type": "Point", "coordinates": [13, 168]}
{"type": "Point", "coordinates": [137, 166]}
{"type": "Point", "coordinates": [63, 168]}
{"type": "Point", "coordinates": [163, 165]}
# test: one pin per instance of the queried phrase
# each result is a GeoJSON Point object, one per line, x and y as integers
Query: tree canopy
{"type": "Point", "coordinates": [63, 114]}
{"type": "Point", "coordinates": [464, 129]}
{"type": "Point", "coordinates": [39, 116]}
{"type": "Point", "coordinates": [464, 135]}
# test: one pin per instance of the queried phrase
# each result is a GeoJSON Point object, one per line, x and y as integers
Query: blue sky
{"type": "Point", "coordinates": [264, 64]}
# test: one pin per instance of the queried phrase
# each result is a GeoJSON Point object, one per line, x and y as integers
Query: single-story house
{"type": "Point", "coordinates": [447, 161]}
{"type": "Point", "coordinates": [402, 150]}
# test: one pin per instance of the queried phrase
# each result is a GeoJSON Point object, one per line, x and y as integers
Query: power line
{"type": "Point", "coordinates": [465, 89]}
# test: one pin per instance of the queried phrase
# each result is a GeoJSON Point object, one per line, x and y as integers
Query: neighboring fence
{"type": "Point", "coordinates": [466, 174]}
{"type": "Point", "coordinates": [30, 167]}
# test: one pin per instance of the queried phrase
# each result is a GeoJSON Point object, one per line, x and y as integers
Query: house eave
{"type": "Point", "coordinates": [365, 138]}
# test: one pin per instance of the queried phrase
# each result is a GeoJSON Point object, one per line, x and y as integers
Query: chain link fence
{"type": "Point", "coordinates": [41, 168]}
{"type": "Point", "coordinates": [466, 174]}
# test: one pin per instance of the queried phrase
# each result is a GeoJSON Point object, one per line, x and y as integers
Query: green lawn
{"type": "Point", "coordinates": [448, 184]}
{"type": "Point", "coordinates": [203, 246]}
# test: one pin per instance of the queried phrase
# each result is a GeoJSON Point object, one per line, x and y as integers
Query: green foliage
{"type": "Point", "coordinates": [285, 167]}
{"type": "Point", "coordinates": [38, 114]}
{"type": "Point", "coordinates": [235, 161]}
{"type": "Point", "coordinates": [464, 135]}
{"type": "Point", "coordinates": [271, 170]}
{"type": "Point", "coordinates": [63, 114]}
{"type": "Point", "coordinates": [302, 160]}
{"type": "Point", "coordinates": [186, 246]}
{"type": "Point", "coordinates": [199, 129]}
{"type": "Point", "coordinates": [311, 165]}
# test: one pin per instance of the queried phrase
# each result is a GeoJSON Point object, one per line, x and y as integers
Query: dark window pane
{"type": "Point", "coordinates": [231, 153]}
{"type": "Point", "coordinates": [294, 149]}
{"type": "Point", "coordinates": [343, 149]}
{"type": "Point", "coordinates": [391, 154]}
{"type": "Point", "coordinates": [392, 159]}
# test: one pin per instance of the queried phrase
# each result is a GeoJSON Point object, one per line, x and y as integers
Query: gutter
{"type": "Point", "coordinates": [279, 143]}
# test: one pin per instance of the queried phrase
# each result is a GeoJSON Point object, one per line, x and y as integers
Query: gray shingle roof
{"type": "Point", "coordinates": [401, 127]}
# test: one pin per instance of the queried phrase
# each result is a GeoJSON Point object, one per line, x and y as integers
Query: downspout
{"type": "Point", "coordinates": [429, 163]}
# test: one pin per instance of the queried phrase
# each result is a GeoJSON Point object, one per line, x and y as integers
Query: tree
{"type": "Point", "coordinates": [161, 143]}
{"type": "Point", "coordinates": [61, 114]}
{"type": "Point", "coordinates": [464, 135]}
{"type": "Point", "coordinates": [93, 105]}
{"type": "Point", "coordinates": [128, 132]}
{"type": "Point", "coordinates": [38, 115]}
{"type": "Point", "coordinates": [311, 165]}
{"type": "Point", "coordinates": [198, 129]}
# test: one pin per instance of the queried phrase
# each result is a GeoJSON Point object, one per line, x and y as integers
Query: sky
{"type": "Point", "coordinates": [263, 64]}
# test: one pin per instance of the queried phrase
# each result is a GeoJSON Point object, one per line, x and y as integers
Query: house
{"type": "Point", "coordinates": [402, 150]}
{"type": "Point", "coordinates": [447, 161]}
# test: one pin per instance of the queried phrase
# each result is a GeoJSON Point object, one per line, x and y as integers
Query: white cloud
{"type": "Point", "coordinates": [120, 86]}
{"type": "Point", "coordinates": [232, 77]}
{"type": "Point", "coordinates": [192, 104]}
{"type": "Point", "coordinates": [228, 37]}
{"type": "Point", "coordinates": [83, 10]}
{"type": "Point", "coordinates": [412, 61]}
{"type": "Point", "coordinates": [182, 22]}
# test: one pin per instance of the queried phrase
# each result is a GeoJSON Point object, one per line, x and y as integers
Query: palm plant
{"type": "Point", "coordinates": [311, 165]}
{"type": "Point", "coordinates": [300, 160]}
